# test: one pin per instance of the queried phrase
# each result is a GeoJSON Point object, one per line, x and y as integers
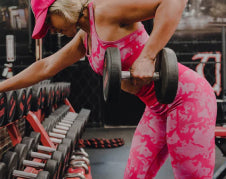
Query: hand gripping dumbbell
{"type": "Point", "coordinates": [22, 148]}
{"type": "Point", "coordinates": [165, 77]}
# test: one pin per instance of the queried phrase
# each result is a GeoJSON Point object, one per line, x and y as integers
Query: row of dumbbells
{"type": "Point", "coordinates": [16, 104]}
{"type": "Point", "coordinates": [51, 161]}
{"type": "Point", "coordinates": [64, 124]}
{"type": "Point", "coordinates": [79, 165]}
{"type": "Point", "coordinates": [69, 138]}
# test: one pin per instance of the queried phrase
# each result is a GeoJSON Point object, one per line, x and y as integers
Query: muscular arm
{"type": "Point", "coordinates": [47, 67]}
{"type": "Point", "coordinates": [167, 16]}
{"type": "Point", "coordinates": [166, 13]}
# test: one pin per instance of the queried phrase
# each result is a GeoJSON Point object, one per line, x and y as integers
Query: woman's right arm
{"type": "Point", "coordinates": [47, 67]}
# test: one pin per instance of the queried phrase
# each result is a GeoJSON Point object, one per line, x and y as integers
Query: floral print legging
{"type": "Point", "coordinates": [183, 130]}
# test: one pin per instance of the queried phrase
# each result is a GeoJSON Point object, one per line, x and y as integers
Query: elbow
{"type": "Point", "coordinates": [47, 71]}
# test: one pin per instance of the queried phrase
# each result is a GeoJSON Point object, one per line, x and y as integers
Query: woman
{"type": "Point", "coordinates": [183, 129]}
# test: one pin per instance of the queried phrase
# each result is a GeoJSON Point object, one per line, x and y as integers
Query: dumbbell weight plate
{"type": "Point", "coordinates": [21, 150]}
{"type": "Point", "coordinates": [166, 87]}
{"type": "Point", "coordinates": [3, 170]}
{"type": "Point", "coordinates": [30, 142]}
{"type": "Point", "coordinates": [112, 76]}
{"type": "Point", "coordinates": [10, 159]}
{"type": "Point", "coordinates": [165, 84]}
{"type": "Point", "coordinates": [3, 108]}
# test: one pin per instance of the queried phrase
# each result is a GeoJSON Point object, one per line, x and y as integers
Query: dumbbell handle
{"type": "Point", "coordinates": [127, 75]}
{"type": "Point", "coordinates": [33, 164]}
{"type": "Point", "coordinates": [46, 149]}
{"type": "Point", "coordinates": [40, 155]}
{"type": "Point", "coordinates": [22, 174]}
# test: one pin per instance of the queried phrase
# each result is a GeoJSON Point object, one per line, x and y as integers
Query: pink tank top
{"type": "Point", "coordinates": [130, 46]}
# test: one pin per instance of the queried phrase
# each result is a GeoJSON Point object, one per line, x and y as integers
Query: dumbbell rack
{"type": "Point", "coordinates": [34, 118]}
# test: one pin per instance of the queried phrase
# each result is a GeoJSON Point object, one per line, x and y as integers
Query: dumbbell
{"type": "Point", "coordinates": [40, 175]}
{"type": "Point", "coordinates": [28, 99]}
{"type": "Point", "coordinates": [60, 133]}
{"type": "Point", "coordinates": [79, 165]}
{"type": "Point", "coordinates": [165, 77]}
{"type": "Point", "coordinates": [11, 106]}
{"type": "Point", "coordinates": [51, 166]}
{"type": "Point", "coordinates": [66, 141]}
{"type": "Point", "coordinates": [76, 158]}
{"type": "Point", "coordinates": [36, 97]}
{"type": "Point", "coordinates": [22, 148]}
{"type": "Point", "coordinates": [10, 160]}
{"type": "Point", "coordinates": [69, 122]}
{"type": "Point", "coordinates": [74, 175]}
{"type": "Point", "coordinates": [3, 108]}
{"type": "Point", "coordinates": [64, 147]}
{"type": "Point", "coordinates": [16, 173]}
{"type": "Point", "coordinates": [21, 103]}
{"type": "Point", "coordinates": [80, 151]}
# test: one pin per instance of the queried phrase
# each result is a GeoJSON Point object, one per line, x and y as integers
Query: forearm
{"type": "Point", "coordinates": [31, 75]}
{"type": "Point", "coordinates": [167, 17]}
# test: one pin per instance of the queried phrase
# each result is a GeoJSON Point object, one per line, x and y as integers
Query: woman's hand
{"type": "Point", "coordinates": [142, 71]}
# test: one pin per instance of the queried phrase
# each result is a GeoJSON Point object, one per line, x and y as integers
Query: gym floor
{"type": "Point", "coordinates": [110, 163]}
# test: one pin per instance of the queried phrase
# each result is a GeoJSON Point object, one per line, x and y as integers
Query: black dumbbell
{"type": "Point", "coordinates": [165, 77]}
{"type": "Point", "coordinates": [3, 108]}
{"type": "Point", "coordinates": [51, 166]}
{"type": "Point", "coordinates": [74, 122]}
{"type": "Point", "coordinates": [64, 147]}
{"type": "Point", "coordinates": [21, 103]}
{"type": "Point", "coordinates": [10, 159]}
{"type": "Point", "coordinates": [11, 105]}
{"type": "Point", "coordinates": [25, 153]}
{"type": "Point", "coordinates": [16, 173]}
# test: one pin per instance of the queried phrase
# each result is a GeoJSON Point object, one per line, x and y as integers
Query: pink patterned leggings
{"type": "Point", "coordinates": [184, 130]}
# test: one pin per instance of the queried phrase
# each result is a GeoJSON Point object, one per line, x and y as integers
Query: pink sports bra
{"type": "Point", "coordinates": [130, 46]}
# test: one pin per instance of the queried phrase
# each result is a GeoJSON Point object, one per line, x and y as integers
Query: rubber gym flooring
{"type": "Point", "coordinates": [110, 163]}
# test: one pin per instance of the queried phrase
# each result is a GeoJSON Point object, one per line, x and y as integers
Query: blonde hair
{"type": "Point", "coordinates": [71, 10]}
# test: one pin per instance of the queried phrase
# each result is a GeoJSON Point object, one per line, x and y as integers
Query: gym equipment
{"type": "Point", "coordinates": [51, 166]}
{"type": "Point", "coordinates": [11, 106]}
{"type": "Point", "coordinates": [21, 103]}
{"type": "Point", "coordinates": [165, 77]}
{"type": "Point", "coordinates": [40, 175]}
{"type": "Point", "coordinates": [36, 97]}
{"type": "Point", "coordinates": [28, 99]}
{"type": "Point", "coordinates": [64, 148]}
{"type": "Point", "coordinates": [3, 108]}
{"type": "Point", "coordinates": [25, 153]}
{"type": "Point", "coordinates": [3, 170]}
{"type": "Point", "coordinates": [10, 159]}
